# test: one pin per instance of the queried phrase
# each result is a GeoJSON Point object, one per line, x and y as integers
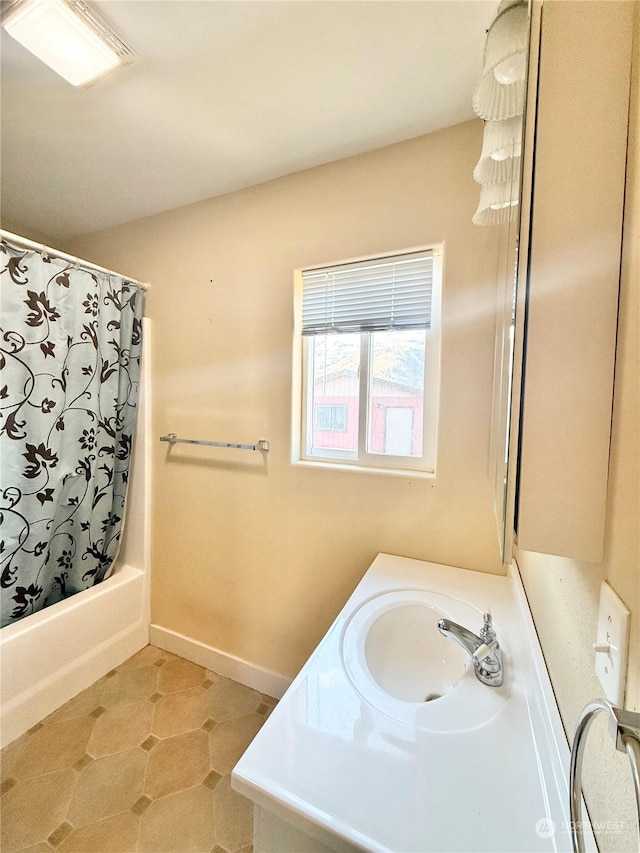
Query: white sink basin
{"type": "Point", "coordinates": [400, 664]}
{"type": "Point", "coordinates": [408, 657]}
{"type": "Point", "coordinates": [358, 761]}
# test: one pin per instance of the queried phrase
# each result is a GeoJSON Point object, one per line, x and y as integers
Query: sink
{"type": "Point", "coordinates": [355, 757]}
{"type": "Point", "coordinates": [399, 663]}
{"type": "Point", "coordinates": [408, 657]}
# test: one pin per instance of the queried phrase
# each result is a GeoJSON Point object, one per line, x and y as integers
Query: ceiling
{"type": "Point", "coordinates": [225, 94]}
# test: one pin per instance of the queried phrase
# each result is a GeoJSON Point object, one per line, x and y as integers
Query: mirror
{"type": "Point", "coordinates": [501, 100]}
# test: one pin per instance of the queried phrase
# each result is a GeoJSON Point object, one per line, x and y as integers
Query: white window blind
{"type": "Point", "coordinates": [369, 296]}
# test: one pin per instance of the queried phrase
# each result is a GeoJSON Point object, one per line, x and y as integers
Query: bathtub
{"type": "Point", "coordinates": [49, 657]}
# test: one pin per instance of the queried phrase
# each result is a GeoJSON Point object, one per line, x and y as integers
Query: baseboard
{"type": "Point", "coordinates": [265, 680]}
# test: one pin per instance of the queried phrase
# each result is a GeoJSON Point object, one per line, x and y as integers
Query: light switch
{"type": "Point", "coordinates": [611, 644]}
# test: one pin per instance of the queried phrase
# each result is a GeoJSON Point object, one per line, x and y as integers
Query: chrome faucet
{"type": "Point", "coordinates": [484, 649]}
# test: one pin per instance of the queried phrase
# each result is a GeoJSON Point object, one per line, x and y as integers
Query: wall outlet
{"type": "Point", "coordinates": [611, 644]}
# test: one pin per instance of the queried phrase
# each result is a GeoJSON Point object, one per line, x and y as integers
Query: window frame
{"type": "Point", "coordinates": [362, 460]}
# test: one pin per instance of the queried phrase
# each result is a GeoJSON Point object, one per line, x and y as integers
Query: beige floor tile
{"type": "Point", "coordinates": [146, 656]}
{"type": "Point", "coordinates": [107, 787]}
{"type": "Point", "coordinates": [180, 712]}
{"type": "Point", "coordinates": [53, 747]}
{"type": "Point", "coordinates": [59, 834]}
{"type": "Point", "coordinates": [81, 705]}
{"type": "Point", "coordinates": [7, 785]}
{"type": "Point", "coordinates": [9, 756]}
{"type": "Point", "coordinates": [180, 822]}
{"type": "Point", "coordinates": [103, 799]}
{"type": "Point", "coordinates": [117, 834]}
{"type": "Point", "coordinates": [33, 809]}
{"type": "Point", "coordinates": [141, 805]}
{"type": "Point", "coordinates": [131, 685]}
{"type": "Point", "coordinates": [230, 739]}
{"type": "Point", "coordinates": [177, 763]}
{"type": "Point", "coordinates": [228, 699]}
{"type": "Point", "coordinates": [179, 674]}
{"type": "Point", "coordinates": [120, 729]}
{"type": "Point", "coordinates": [149, 742]}
{"type": "Point", "coordinates": [233, 817]}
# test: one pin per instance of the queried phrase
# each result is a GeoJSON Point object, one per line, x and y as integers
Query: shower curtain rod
{"type": "Point", "coordinates": [63, 256]}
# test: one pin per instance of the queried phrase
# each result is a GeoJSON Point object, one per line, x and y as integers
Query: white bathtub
{"type": "Point", "coordinates": [52, 655]}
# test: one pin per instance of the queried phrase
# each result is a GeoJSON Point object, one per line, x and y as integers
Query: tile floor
{"type": "Point", "coordinates": [140, 761]}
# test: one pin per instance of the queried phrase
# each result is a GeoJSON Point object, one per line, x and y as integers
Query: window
{"type": "Point", "coordinates": [331, 417]}
{"type": "Point", "coordinates": [370, 362]}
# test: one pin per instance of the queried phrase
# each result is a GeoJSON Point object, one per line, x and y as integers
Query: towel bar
{"type": "Point", "coordinates": [262, 444]}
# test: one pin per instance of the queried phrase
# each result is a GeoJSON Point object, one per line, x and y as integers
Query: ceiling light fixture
{"type": "Point", "coordinates": [497, 203]}
{"type": "Point", "coordinates": [501, 148]}
{"type": "Point", "coordinates": [499, 100]}
{"type": "Point", "coordinates": [500, 92]}
{"type": "Point", "coordinates": [69, 37]}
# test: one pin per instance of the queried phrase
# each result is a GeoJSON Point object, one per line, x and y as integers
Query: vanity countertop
{"type": "Point", "coordinates": [336, 763]}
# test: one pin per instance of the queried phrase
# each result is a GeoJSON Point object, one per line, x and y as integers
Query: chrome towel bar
{"type": "Point", "coordinates": [172, 438]}
{"type": "Point", "coordinates": [625, 731]}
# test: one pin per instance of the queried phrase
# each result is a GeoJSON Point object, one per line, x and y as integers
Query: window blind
{"type": "Point", "coordinates": [369, 296]}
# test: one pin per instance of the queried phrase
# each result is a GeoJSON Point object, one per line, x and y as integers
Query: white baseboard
{"type": "Point", "coordinates": [250, 674]}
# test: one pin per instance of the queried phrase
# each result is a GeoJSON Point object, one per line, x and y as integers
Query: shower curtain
{"type": "Point", "coordinates": [70, 345]}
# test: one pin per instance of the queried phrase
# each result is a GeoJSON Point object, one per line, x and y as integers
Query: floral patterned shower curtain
{"type": "Point", "coordinates": [70, 345]}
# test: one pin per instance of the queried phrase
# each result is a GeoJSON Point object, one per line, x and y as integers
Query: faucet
{"type": "Point", "coordinates": [484, 649]}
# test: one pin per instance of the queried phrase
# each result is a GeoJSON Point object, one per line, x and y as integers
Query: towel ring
{"type": "Point", "coordinates": [625, 731]}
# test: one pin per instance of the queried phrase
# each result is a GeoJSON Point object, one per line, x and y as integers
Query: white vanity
{"type": "Point", "coordinates": [344, 764]}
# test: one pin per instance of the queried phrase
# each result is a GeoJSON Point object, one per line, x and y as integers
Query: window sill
{"type": "Point", "coordinates": [413, 474]}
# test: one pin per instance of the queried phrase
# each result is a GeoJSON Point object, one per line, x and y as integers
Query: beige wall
{"type": "Point", "coordinates": [22, 230]}
{"type": "Point", "coordinates": [257, 559]}
{"type": "Point", "coordinates": [564, 594]}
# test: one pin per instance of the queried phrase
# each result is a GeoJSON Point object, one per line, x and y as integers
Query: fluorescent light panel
{"type": "Point", "coordinates": [62, 39]}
